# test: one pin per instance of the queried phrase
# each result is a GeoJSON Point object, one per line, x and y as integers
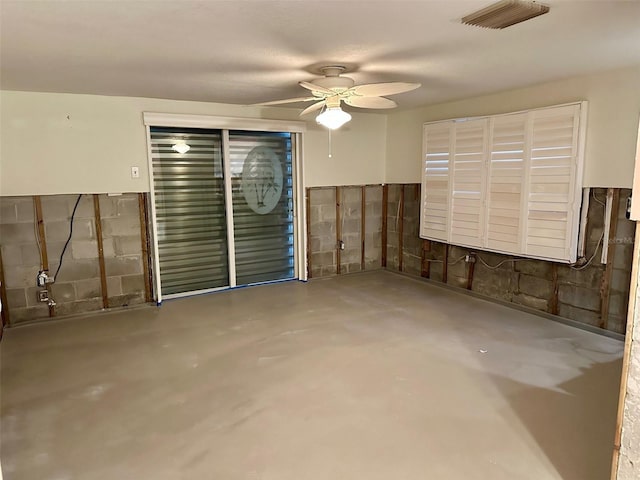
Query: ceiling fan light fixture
{"type": "Point", "coordinates": [333, 118]}
{"type": "Point", "coordinates": [181, 148]}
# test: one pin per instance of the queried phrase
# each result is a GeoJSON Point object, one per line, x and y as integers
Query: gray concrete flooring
{"type": "Point", "coordinates": [369, 376]}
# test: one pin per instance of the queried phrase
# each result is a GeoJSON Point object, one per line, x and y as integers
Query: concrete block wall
{"type": "Point", "coordinates": [531, 282]}
{"type": "Point", "coordinates": [324, 242]}
{"type": "Point", "coordinates": [77, 287]}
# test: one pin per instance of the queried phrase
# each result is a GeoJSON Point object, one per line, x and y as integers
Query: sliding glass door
{"type": "Point", "coordinates": [224, 208]}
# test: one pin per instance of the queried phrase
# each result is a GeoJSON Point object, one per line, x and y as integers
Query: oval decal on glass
{"type": "Point", "coordinates": [262, 180]}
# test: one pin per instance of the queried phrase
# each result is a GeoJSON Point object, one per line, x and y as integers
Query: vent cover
{"type": "Point", "coordinates": [505, 13]}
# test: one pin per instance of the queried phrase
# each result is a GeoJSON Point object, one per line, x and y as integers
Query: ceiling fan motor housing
{"type": "Point", "coordinates": [333, 81]}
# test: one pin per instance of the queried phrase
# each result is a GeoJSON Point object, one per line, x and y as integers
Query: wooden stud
{"type": "Point", "coordinates": [445, 263]}
{"type": "Point", "coordinates": [401, 229]}
{"type": "Point", "coordinates": [605, 286]}
{"type": "Point", "coordinates": [363, 214]}
{"type": "Point", "coordinates": [553, 301]}
{"type": "Point", "coordinates": [6, 319]}
{"type": "Point", "coordinates": [385, 207]}
{"type": "Point", "coordinates": [43, 247]}
{"type": "Point", "coordinates": [470, 271]}
{"type": "Point", "coordinates": [626, 355]}
{"type": "Point", "coordinates": [144, 239]}
{"type": "Point", "coordinates": [103, 271]}
{"type": "Point", "coordinates": [308, 203]}
{"type": "Point", "coordinates": [338, 232]}
{"type": "Point", "coordinates": [425, 270]}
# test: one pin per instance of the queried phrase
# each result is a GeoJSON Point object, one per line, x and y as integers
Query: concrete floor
{"type": "Point", "coordinates": [370, 376]}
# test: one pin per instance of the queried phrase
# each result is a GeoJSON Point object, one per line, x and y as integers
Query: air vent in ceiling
{"type": "Point", "coordinates": [505, 13]}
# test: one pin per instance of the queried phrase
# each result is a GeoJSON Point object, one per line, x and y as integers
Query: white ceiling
{"type": "Point", "coordinates": [245, 52]}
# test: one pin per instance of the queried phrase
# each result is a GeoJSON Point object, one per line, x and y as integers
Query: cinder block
{"type": "Point", "coordinates": [114, 286]}
{"type": "Point", "coordinates": [534, 286]}
{"type": "Point", "coordinates": [90, 288]}
{"type": "Point", "coordinates": [85, 209]}
{"type": "Point", "coordinates": [82, 249]}
{"type": "Point", "coordinates": [583, 298]}
{"type": "Point", "coordinates": [618, 303]}
{"type": "Point", "coordinates": [128, 205]}
{"type": "Point", "coordinates": [315, 214]}
{"type": "Point", "coordinates": [126, 300]}
{"type": "Point", "coordinates": [623, 256]}
{"type": "Point", "coordinates": [26, 210]}
{"type": "Point", "coordinates": [530, 301]}
{"type": "Point", "coordinates": [79, 306]}
{"type": "Point", "coordinates": [316, 271]}
{"type": "Point", "coordinates": [322, 229]}
{"type": "Point", "coordinates": [625, 231]}
{"type": "Point", "coordinates": [350, 195]}
{"type": "Point", "coordinates": [456, 281]}
{"type": "Point", "coordinates": [132, 284]}
{"type": "Point", "coordinates": [121, 226]}
{"type": "Point", "coordinates": [617, 323]}
{"type": "Point", "coordinates": [351, 226]}
{"type": "Point", "coordinates": [21, 315]}
{"type": "Point", "coordinates": [63, 292]}
{"type": "Point", "coordinates": [58, 231]}
{"type": "Point", "coordinates": [536, 268]}
{"type": "Point", "coordinates": [323, 259]}
{"type": "Point", "coordinates": [579, 314]}
{"type": "Point", "coordinates": [108, 206]}
{"type": "Point", "coordinates": [56, 207]}
{"type": "Point", "coordinates": [373, 194]}
{"type": "Point", "coordinates": [16, 297]}
{"type": "Point", "coordinates": [328, 270]}
{"type": "Point", "coordinates": [314, 244]}
{"type": "Point", "coordinates": [20, 276]}
{"type": "Point", "coordinates": [11, 255]}
{"type": "Point", "coordinates": [78, 270]}
{"type": "Point", "coordinates": [31, 293]}
{"type": "Point", "coordinates": [494, 283]}
{"type": "Point", "coordinates": [328, 213]}
{"type": "Point", "coordinates": [17, 233]}
{"type": "Point", "coordinates": [589, 277]}
{"type": "Point", "coordinates": [30, 254]}
{"type": "Point", "coordinates": [621, 280]}
{"type": "Point", "coordinates": [123, 266]}
{"type": "Point", "coordinates": [323, 196]}
{"type": "Point", "coordinates": [8, 210]}
{"type": "Point", "coordinates": [129, 245]}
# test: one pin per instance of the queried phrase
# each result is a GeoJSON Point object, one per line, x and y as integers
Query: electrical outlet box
{"type": "Point", "coordinates": [340, 244]}
{"type": "Point", "coordinates": [471, 258]}
{"type": "Point", "coordinates": [43, 278]}
{"type": "Point", "coordinates": [43, 295]}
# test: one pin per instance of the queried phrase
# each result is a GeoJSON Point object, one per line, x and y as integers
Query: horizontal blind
{"type": "Point", "coordinates": [468, 192]}
{"type": "Point", "coordinates": [506, 178]}
{"type": "Point", "coordinates": [551, 182]}
{"type": "Point", "coordinates": [190, 213]}
{"type": "Point", "coordinates": [434, 218]}
{"type": "Point", "coordinates": [264, 242]}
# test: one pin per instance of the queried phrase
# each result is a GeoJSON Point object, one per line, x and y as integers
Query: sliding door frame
{"type": "Point", "coordinates": [152, 119]}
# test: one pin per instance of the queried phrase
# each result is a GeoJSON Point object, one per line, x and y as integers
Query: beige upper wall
{"type": "Point", "coordinates": [612, 124]}
{"type": "Point", "coordinates": [63, 143]}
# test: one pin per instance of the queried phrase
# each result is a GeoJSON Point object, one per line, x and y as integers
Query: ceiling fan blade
{"type": "Point", "coordinates": [313, 108]}
{"type": "Point", "coordinates": [370, 102]}
{"type": "Point", "coordinates": [317, 88]}
{"type": "Point", "coordinates": [288, 100]}
{"type": "Point", "coordinates": [382, 89]}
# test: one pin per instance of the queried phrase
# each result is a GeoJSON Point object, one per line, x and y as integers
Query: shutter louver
{"type": "Point", "coordinates": [467, 199]}
{"type": "Point", "coordinates": [506, 177]}
{"type": "Point", "coordinates": [435, 181]}
{"type": "Point", "coordinates": [552, 182]}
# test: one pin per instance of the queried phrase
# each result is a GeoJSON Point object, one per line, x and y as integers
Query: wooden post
{"type": "Point", "coordinates": [363, 224]}
{"type": "Point", "coordinates": [470, 271]}
{"type": "Point", "coordinates": [43, 247]}
{"type": "Point", "coordinates": [425, 270]}
{"type": "Point", "coordinates": [6, 319]}
{"type": "Point", "coordinates": [605, 286]}
{"type": "Point", "coordinates": [144, 239]}
{"type": "Point", "coordinates": [103, 271]}
{"type": "Point", "coordinates": [385, 200]}
{"type": "Point", "coordinates": [401, 229]}
{"type": "Point", "coordinates": [308, 203]}
{"type": "Point", "coordinates": [338, 232]}
{"type": "Point", "coordinates": [626, 356]}
{"type": "Point", "coordinates": [553, 301]}
{"type": "Point", "coordinates": [445, 263]}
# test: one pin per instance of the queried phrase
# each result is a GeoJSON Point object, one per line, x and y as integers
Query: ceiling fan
{"type": "Point", "coordinates": [330, 91]}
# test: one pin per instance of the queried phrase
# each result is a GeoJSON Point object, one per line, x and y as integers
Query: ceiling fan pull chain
{"type": "Point", "coordinates": [330, 154]}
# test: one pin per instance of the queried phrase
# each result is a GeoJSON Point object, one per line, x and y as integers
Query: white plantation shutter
{"type": "Point", "coordinates": [552, 182]}
{"type": "Point", "coordinates": [506, 182]}
{"type": "Point", "coordinates": [435, 181]}
{"type": "Point", "coordinates": [467, 193]}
